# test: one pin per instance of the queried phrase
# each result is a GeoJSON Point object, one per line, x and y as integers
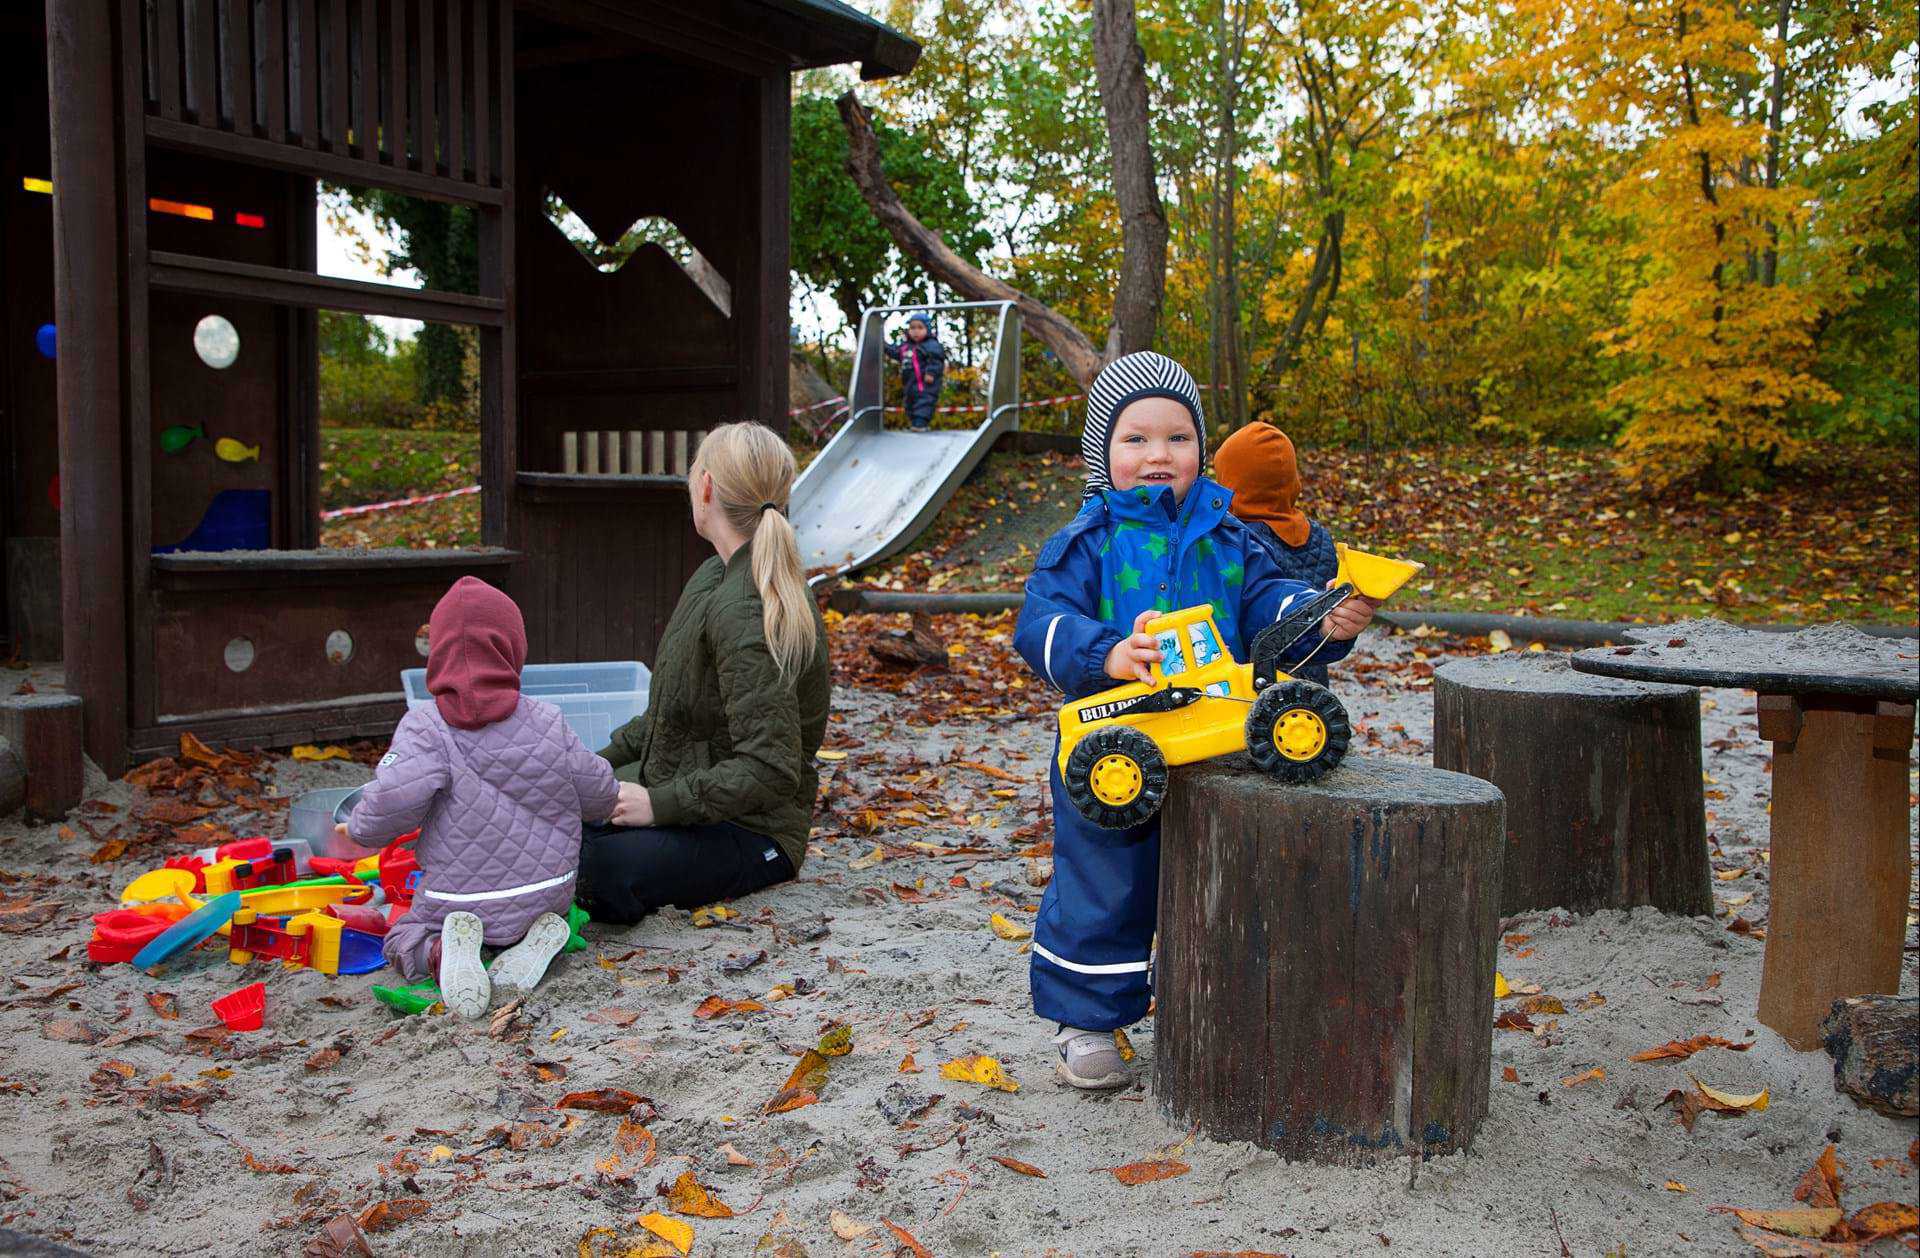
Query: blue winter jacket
{"type": "Point", "coordinates": [1124, 553]}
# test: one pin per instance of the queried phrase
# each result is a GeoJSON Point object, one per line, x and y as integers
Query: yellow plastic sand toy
{"type": "Point", "coordinates": [1116, 746]}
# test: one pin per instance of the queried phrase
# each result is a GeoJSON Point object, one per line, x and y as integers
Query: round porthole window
{"type": "Point", "coordinates": [216, 341]}
{"type": "Point", "coordinates": [239, 654]}
{"type": "Point", "coordinates": [339, 646]}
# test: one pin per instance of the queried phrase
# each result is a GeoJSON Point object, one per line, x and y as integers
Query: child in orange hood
{"type": "Point", "coordinates": [1258, 465]}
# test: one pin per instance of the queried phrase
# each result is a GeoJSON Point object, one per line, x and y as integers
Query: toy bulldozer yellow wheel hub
{"type": "Point", "coordinates": [1117, 780]}
{"type": "Point", "coordinates": [1299, 734]}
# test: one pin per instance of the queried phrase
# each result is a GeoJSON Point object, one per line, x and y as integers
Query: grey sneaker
{"type": "Point", "coordinates": [1089, 1060]}
{"type": "Point", "coordinates": [520, 968]}
{"type": "Point", "coordinates": [463, 979]}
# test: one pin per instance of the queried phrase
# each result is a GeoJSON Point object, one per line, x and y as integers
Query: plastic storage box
{"type": "Point", "coordinates": [596, 699]}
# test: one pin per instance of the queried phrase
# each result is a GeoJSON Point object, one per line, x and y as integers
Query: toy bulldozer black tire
{"type": "Point", "coordinates": [1116, 777]}
{"type": "Point", "coordinates": [1297, 731]}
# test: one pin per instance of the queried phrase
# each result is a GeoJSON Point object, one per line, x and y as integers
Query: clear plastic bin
{"type": "Point", "coordinates": [596, 699]}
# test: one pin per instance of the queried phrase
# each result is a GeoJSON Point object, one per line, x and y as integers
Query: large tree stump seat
{"type": "Point", "coordinates": [46, 734]}
{"type": "Point", "coordinates": [1605, 807]}
{"type": "Point", "coordinates": [1324, 971]}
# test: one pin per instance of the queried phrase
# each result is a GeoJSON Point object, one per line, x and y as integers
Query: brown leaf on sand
{"type": "Point", "coordinates": [690, 1197]}
{"type": "Point", "coordinates": [71, 1031]}
{"type": "Point", "coordinates": [1680, 1050]}
{"type": "Point", "coordinates": [614, 1015]}
{"type": "Point", "coordinates": [907, 1066]}
{"type": "Point", "coordinates": [1821, 1185]}
{"type": "Point", "coordinates": [809, 1072]}
{"type": "Point", "coordinates": [1883, 1218]}
{"type": "Point", "coordinates": [634, 1141]}
{"type": "Point", "coordinates": [258, 1167]}
{"type": "Point", "coordinates": [163, 1005]}
{"type": "Point", "coordinates": [734, 1156]}
{"type": "Point", "coordinates": [339, 1238]}
{"type": "Point", "coordinates": [24, 913]}
{"type": "Point", "coordinates": [601, 1100]}
{"type": "Point", "coordinates": [193, 751]}
{"type": "Point", "coordinates": [1512, 1020]}
{"type": "Point", "coordinates": [1808, 1224]}
{"type": "Point", "coordinates": [1510, 1074]}
{"type": "Point", "coordinates": [715, 1006]}
{"type": "Point", "coordinates": [172, 812]}
{"type": "Point", "coordinates": [1591, 1076]}
{"type": "Point", "coordinates": [1145, 1172]}
{"type": "Point", "coordinates": [987, 769]}
{"type": "Point", "coordinates": [383, 1215]}
{"type": "Point", "coordinates": [907, 1240]}
{"type": "Point", "coordinates": [790, 1099]}
{"type": "Point", "coordinates": [1542, 1005]}
{"type": "Point", "coordinates": [324, 1059]}
{"type": "Point", "coordinates": [1024, 1168]}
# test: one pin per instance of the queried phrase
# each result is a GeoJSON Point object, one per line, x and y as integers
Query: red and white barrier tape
{"type": "Point", "coordinates": [338, 512]}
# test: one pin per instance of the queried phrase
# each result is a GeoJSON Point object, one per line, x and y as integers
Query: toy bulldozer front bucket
{"type": "Point", "coordinates": [1374, 576]}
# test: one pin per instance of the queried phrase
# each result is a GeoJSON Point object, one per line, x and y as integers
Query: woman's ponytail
{"type": "Point", "coordinates": [753, 473]}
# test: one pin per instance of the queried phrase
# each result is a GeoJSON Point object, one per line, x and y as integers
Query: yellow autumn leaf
{"type": "Point", "coordinates": [1008, 929]}
{"type": "Point", "coordinates": [836, 1041]}
{"type": "Point", "coordinates": [1674, 1185]}
{"type": "Point", "coordinates": [674, 1231]}
{"type": "Point", "coordinates": [713, 915]}
{"type": "Point", "coordinates": [871, 859]}
{"type": "Point", "coordinates": [1499, 641]}
{"type": "Point", "coordinates": [1811, 1224]}
{"type": "Point", "coordinates": [689, 1196]}
{"type": "Point", "coordinates": [1500, 989]}
{"type": "Point", "coordinates": [829, 756]}
{"type": "Point", "coordinates": [1125, 1045]}
{"type": "Point", "coordinates": [980, 1069]}
{"type": "Point", "coordinates": [1755, 1102]}
{"type": "Point", "coordinates": [307, 751]}
{"type": "Point", "coordinates": [440, 1153]}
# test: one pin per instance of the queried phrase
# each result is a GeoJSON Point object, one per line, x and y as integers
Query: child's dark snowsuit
{"type": "Point", "coordinates": [922, 364]}
{"type": "Point", "coordinates": [1258, 465]}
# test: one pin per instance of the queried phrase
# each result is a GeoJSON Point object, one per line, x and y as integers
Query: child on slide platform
{"type": "Point", "coordinates": [1152, 535]}
{"type": "Point", "coordinates": [923, 361]}
{"type": "Point", "coordinates": [1258, 465]}
{"type": "Point", "coordinates": [497, 785]}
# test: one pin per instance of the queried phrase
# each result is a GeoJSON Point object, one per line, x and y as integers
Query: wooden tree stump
{"type": "Point", "coordinates": [1605, 808]}
{"type": "Point", "coordinates": [47, 735]}
{"type": "Point", "coordinates": [1324, 972]}
{"type": "Point", "coordinates": [13, 779]}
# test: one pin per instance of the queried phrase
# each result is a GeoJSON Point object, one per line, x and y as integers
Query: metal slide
{"type": "Point", "coordinates": [871, 491]}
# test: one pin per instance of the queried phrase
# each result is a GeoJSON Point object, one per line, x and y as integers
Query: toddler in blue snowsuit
{"type": "Point", "coordinates": [1152, 535]}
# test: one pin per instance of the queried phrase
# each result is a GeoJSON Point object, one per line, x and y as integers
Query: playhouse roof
{"type": "Point", "coordinates": [829, 32]}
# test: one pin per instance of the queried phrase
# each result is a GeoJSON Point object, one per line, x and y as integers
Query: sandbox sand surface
{"type": "Point", "coordinates": [149, 1140]}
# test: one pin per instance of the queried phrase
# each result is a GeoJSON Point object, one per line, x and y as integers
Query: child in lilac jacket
{"type": "Point", "coordinates": [497, 785]}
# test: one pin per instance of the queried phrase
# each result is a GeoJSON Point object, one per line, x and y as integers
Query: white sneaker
{"type": "Point", "coordinates": [1089, 1060]}
{"type": "Point", "coordinates": [520, 968]}
{"type": "Point", "coordinates": [464, 985]}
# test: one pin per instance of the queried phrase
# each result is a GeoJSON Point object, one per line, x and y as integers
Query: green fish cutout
{"type": "Point", "coordinates": [179, 437]}
{"type": "Point", "coordinates": [234, 452]}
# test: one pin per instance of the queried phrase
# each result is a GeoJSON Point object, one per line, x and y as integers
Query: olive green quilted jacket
{"type": "Point", "coordinates": [722, 739]}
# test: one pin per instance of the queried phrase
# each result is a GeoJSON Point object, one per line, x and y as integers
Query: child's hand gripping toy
{"type": "Point", "coordinates": [1115, 746]}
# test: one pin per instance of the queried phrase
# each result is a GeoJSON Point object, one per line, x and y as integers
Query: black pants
{"type": "Point", "coordinates": [628, 872]}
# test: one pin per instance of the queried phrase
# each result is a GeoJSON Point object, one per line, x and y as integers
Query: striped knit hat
{"type": "Point", "coordinates": [1120, 383]}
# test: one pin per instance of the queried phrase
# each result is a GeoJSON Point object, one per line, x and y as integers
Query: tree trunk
{"type": "Point", "coordinates": [1776, 108]}
{"type": "Point", "coordinates": [1324, 973]}
{"type": "Point", "coordinates": [47, 735]}
{"type": "Point", "coordinates": [1121, 68]}
{"type": "Point", "coordinates": [1875, 1045]}
{"type": "Point", "coordinates": [1602, 777]}
{"type": "Point", "coordinates": [13, 779]}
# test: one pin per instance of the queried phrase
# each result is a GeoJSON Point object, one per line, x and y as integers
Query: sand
{"type": "Point", "coordinates": [153, 1154]}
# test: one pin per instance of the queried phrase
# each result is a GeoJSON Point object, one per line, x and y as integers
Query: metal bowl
{"type": "Point", "coordinates": [312, 818]}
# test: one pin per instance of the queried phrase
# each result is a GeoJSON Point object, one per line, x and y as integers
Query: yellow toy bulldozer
{"type": "Point", "coordinates": [1115, 746]}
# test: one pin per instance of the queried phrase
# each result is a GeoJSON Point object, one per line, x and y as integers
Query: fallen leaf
{"type": "Point", "coordinates": [790, 1099]}
{"type": "Point", "coordinates": [1499, 641]}
{"type": "Point", "coordinates": [740, 963]}
{"type": "Point", "coordinates": [1733, 1103]}
{"type": "Point", "coordinates": [383, 1215]}
{"type": "Point", "coordinates": [1007, 929]}
{"type": "Point", "coordinates": [266, 1168]}
{"type": "Point", "coordinates": [1024, 1168]}
{"type": "Point", "coordinates": [69, 1031]}
{"type": "Point", "coordinates": [633, 1140]}
{"type": "Point", "coordinates": [829, 756]}
{"type": "Point", "coordinates": [1125, 1045]}
{"type": "Point", "coordinates": [673, 1231]}
{"type": "Point", "coordinates": [1821, 1185]}
{"type": "Point", "coordinates": [907, 1066]}
{"type": "Point", "coordinates": [1883, 1218]}
{"type": "Point", "coordinates": [1592, 1076]}
{"type": "Point", "coordinates": [601, 1100]}
{"type": "Point", "coordinates": [715, 1006]}
{"type": "Point", "coordinates": [1682, 1049]}
{"type": "Point", "coordinates": [688, 1196]}
{"type": "Point", "coordinates": [1145, 1172]}
{"type": "Point", "coordinates": [1542, 1005]}
{"type": "Point", "coordinates": [1811, 1224]}
{"type": "Point", "coordinates": [324, 1058]}
{"type": "Point", "coordinates": [835, 1041]}
{"type": "Point", "coordinates": [734, 1156]}
{"type": "Point", "coordinates": [1674, 1185]}
{"type": "Point", "coordinates": [162, 1003]}
{"type": "Point", "coordinates": [907, 1240]}
{"type": "Point", "coordinates": [846, 1227]}
{"type": "Point", "coordinates": [810, 1072]}
{"type": "Point", "coordinates": [983, 1070]}
{"type": "Point", "coordinates": [1510, 1074]}
{"type": "Point", "coordinates": [713, 915]}
{"type": "Point", "coordinates": [1512, 1020]}
{"type": "Point", "coordinates": [614, 1015]}
{"type": "Point", "coordinates": [868, 861]}
{"type": "Point", "coordinates": [1590, 1002]}
{"type": "Point", "coordinates": [307, 751]}
{"type": "Point", "coordinates": [1500, 989]}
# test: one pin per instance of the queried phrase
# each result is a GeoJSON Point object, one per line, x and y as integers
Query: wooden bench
{"type": "Point", "coordinates": [1605, 807]}
{"type": "Point", "coordinates": [1324, 973]}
